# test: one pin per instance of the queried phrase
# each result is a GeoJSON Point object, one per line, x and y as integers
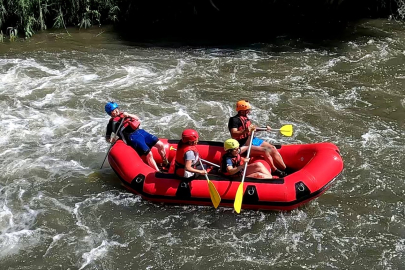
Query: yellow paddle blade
{"type": "Point", "coordinates": [287, 130]}
{"type": "Point", "coordinates": [237, 205]}
{"type": "Point", "coordinates": [215, 198]}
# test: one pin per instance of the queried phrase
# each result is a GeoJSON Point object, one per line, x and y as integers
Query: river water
{"type": "Point", "coordinates": [58, 210]}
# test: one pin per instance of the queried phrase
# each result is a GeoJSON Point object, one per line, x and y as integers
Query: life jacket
{"type": "Point", "coordinates": [128, 126]}
{"type": "Point", "coordinates": [236, 161]}
{"type": "Point", "coordinates": [180, 164]}
{"type": "Point", "coordinates": [245, 124]}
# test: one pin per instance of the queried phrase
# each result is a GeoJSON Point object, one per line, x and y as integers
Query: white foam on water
{"type": "Point", "coordinates": [351, 98]}
{"type": "Point", "coordinates": [55, 241]}
{"type": "Point", "coordinates": [170, 240]}
{"type": "Point", "coordinates": [97, 200]}
{"type": "Point", "coordinates": [130, 76]}
{"type": "Point", "coordinates": [17, 221]}
{"type": "Point", "coordinates": [6, 219]}
{"type": "Point", "coordinates": [12, 243]}
{"type": "Point", "coordinates": [19, 82]}
{"type": "Point", "coordinates": [371, 137]}
{"type": "Point", "coordinates": [99, 252]}
{"type": "Point", "coordinates": [400, 246]}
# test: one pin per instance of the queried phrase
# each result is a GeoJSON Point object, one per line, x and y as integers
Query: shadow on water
{"type": "Point", "coordinates": [328, 40]}
{"type": "Point", "coordinates": [288, 25]}
{"type": "Point", "coordinates": [294, 36]}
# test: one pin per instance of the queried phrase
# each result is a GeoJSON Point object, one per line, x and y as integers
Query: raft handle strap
{"type": "Point", "coordinates": [301, 187]}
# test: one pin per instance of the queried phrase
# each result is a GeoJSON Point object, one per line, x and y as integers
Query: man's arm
{"type": "Point", "coordinates": [125, 114]}
{"type": "Point", "coordinates": [111, 127]}
{"type": "Point", "coordinates": [235, 133]}
{"type": "Point", "coordinates": [233, 125]}
{"type": "Point", "coordinates": [232, 170]}
{"type": "Point", "coordinates": [109, 131]}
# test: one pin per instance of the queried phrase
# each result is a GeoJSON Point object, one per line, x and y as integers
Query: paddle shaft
{"type": "Point", "coordinates": [247, 156]}
{"type": "Point", "coordinates": [285, 130]}
{"type": "Point", "coordinates": [237, 205]}
{"type": "Point", "coordinates": [265, 129]}
{"type": "Point", "coordinates": [102, 164]}
{"type": "Point", "coordinates": [206, 161]}
{"type": "Point", "coordinates": [215, 198]}
{"type": "Point", "coordinates": [202, 166]}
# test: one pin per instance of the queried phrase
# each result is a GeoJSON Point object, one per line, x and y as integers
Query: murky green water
{"type": "Point", "coordinates": [59, 211]}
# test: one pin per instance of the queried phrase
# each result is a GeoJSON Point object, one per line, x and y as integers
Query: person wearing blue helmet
{"type": "Point", "coordinates": [131, 134]}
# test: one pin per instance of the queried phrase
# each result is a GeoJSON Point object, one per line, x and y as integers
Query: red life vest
{"type": "Point", "coordinates": [180, 164]}
{"type": "Point", "coordinates": [245, 124]}
{"type": "Point", "coordinates": [130, 122]}
{"type": "Point", "coordinates": [236, 161]}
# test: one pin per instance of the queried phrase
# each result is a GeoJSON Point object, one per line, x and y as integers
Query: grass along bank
{"type": "Point", "coordinates": [25, 17]}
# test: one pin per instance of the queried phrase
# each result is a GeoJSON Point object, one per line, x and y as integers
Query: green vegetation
{"type": "Point", "coordinates": [28, 16]}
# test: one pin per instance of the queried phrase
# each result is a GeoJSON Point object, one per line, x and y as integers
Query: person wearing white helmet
{"type": "Point", "coordinates": [131, 134]}
{"type": "Point", "coordinates": [240, 128]}
{"type": "Point", "coordinates": [232, 164]}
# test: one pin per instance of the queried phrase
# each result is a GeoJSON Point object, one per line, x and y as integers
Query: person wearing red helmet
{"type": "Point", "coordinates": [187, 157]}
{"type": "Point", "coordinates": [131, 134]}
{"type": "Point", "coordinates": [241, 127]}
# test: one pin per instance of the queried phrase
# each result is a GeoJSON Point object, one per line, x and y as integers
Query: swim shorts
{"type": "Point", "coordinates": [257, 142]}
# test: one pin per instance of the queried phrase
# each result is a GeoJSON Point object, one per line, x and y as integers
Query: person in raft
{"type": "Point", "coordinates": [241, 127]}
{"type": "Point", "coordinates": [187, 157]}
{"type": "Point", "coordinates": [232, 164]}
{"type": "Point", "coordinates": [131, 134]}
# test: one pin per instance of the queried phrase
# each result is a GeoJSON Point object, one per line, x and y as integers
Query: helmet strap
{"type": "Point", "coordinates": [242, 113]}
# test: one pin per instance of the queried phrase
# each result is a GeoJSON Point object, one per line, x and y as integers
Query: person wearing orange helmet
{"type": "Point", "coordinates": [129, 131]}
{"type": "Point", "coordinates": [187, 156]}
{"type": "Point", "coordinates": [241, 127]}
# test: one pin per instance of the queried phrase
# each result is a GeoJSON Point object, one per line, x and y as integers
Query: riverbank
{"type": "Point", "coordinates": [193, 19]}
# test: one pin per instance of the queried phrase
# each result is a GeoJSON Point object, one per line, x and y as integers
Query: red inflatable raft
{"type": "Point", "coordinates": [312, 169]}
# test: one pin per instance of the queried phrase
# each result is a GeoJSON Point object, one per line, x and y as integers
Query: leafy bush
{"type": "Point", "coordinates": [29, 16]}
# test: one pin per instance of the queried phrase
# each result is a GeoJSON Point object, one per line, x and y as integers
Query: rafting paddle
{"type": "Point", "coordinates": [213, 164]}
{"type": "Point", "coordinates": [215, 198]}
{"type": "Point", "coordinates": [286, 130]}
{"type": "Point", "coordinates": [102, 164]}
{"type": "Point", "coordinates": [237, 205]}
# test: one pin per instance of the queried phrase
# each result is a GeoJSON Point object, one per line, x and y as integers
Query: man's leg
{"type": "Point", "coordinates": [275, 155]}
{"type": "Point", "coordinates": [138, 143]}
{"type": "Point", "coordinates": [161, 149]}
{"type": "Point", "coordinates": [151, 161]}
{"type": "Point", "coordinates": [261, 151]}
{"type": "Point", "coordinates": [258, 168]}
